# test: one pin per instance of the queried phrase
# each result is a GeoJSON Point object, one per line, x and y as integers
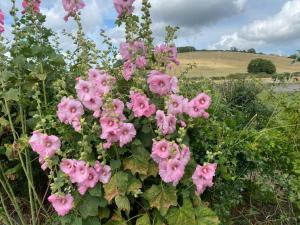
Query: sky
{"type": "Point", "coordinates": [269, 26]}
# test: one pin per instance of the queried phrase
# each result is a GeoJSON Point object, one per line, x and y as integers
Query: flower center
{"type": "Point", "coordinates": [86, 89]}
{"type": "Point", "coordinates": [174, 168]}
{"type": "Point", "coordinates": [202, 101]}
{"type": "Point", "coordinates": [104, 173]}
{"type": "Point", "coordinates": [142, 105]}
{"type": "Point", "coordinates": [125, 132]}
{"type": "Point", "coordinates": [175, 104]}
{"type": "Point", "coordinates": [110, 123]}
{"type": "Point", "coordinates": [48, 144]}
{"type": "Point", "coordinates": [161, 84]}
{"type": "Point", "coordinates": [163, 149]}
{"type": "Point", "coordinates": [205, 170]}
{"type": "Point", "coordinates": [92, 100]}
{"type": "Point", "coordinates": [63, 201]}
{"type": "Point", "coordinates": [196, 109]}
{"type": "Point", "coordinates": [73, 110]}
{"type": "Point", "coordinates": [91, 177]}
{"type": "Point", "coordinates": [104, 83]}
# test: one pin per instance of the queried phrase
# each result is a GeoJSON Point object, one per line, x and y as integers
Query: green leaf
{"type": "Point", "coordinates": [96, 191]}
{"type": "Point", "coordinates": [123, 203]}
{"type": "Point", "coordinates": [89, 206]}
{"type": "Point", "coordinates": [91, 221]}
{"type": "Point", "coordinates": [138, 162]}
{"type": "Point", "coordinates": [206, 216]}
{"type": "Point", "coordinates": [13, 170]}
{"type": "Point", "coordinates": [6, 75]}
{"type": "Point", "coordinates": [104, 213]}
{"type": "Point", "coordinates": [161, 197]}
{"type": "Point", "coordinates": [143, 220]}
{"type": "Point", "coordinates": [115, 164]}
{"type": "Point", "coordinates": [134, 186]}
{"type": "Point", "coordinates": [117, 185]}
{"type": "Point", "coordinates": [11, 95]}
{"type": "Point", "coordinates": [182, 215]}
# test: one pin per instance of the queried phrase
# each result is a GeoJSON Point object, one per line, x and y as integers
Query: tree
{"type": "Point", "coordinates": [261, 66]}
{"type": "Point", "coordinates": [251, 50]}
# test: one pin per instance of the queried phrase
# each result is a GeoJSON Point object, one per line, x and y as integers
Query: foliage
{"type": "Point", "coordinates": [186, 49]}
{"type": "Point", "coordinates": [261, 66]}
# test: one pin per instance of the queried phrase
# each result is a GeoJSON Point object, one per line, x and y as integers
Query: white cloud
{"type": "Point", "coordinates": [281, 27]}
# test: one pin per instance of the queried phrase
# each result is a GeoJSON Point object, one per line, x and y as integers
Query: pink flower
{"type": "Point", "coordinates": [140, 106]}
{"type": "Point", "coordinates": [128, 70]}
{"type": "Point", "coordinates": [94, 104]}
{"type": "Point", "coordinates": [31, 3]}
{"type": "Point", "coordinates": [203, 177]}
{"type": "Point", "coordinates": [165, 54]}
{"type": "Point", "coordinates": [203, 101]}
{"type": "Point", "coordinates": [109, 124]}
{"type": "Point", "coordinates": [84, 90]}
{"type": "Point", "coordinates": [126, 133]}
{"type": "Point", "coordinates": [72, 6]}
{"type": "Point", "coordinates": [185, 155]}
{"type": "Point", "coordinates": [98, 167]}
{"type": "Point", "coordinates": [160, 151]}
{"type": "Point", "coordinates": [118, 106]}
{"type": "Point", "coordinates": [171, 171]}
{"type": "Point", "coordinates": [197, 106]}
{"type": "Point", "coordinates": [2, 29]}
{"type": "Point", "coordinates": [35, 141]}
{"type": "Point", "coordinates": [80, 173]}
{"type": "Point", "coordinates": [90, 182]}
{"type": "Point", "coordinates": [141, 62]}
{"type": "Point", "coordinates": [177, 104]}
{"type": "Point", "coordinates": [70, 111]}
{"type": "Point", "coordinates": [124, 7]}
{"type": "Point", "coordinates": [68, 166]}
{"type": "Point", "coordinates": [105, 174]}
{"type": "Point", "coordinates": [161, 84]}
{"type": "Point", "coordinates": [103, 83]}
{"type": "Point", "coordinates": [125, 51]}
{"type": "Point", "coordinates": [166, 124]}
{"type": "Point", "coordinates": [61, 204]}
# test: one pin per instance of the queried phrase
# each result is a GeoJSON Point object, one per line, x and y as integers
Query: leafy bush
{"type": "Point", "coordinates": [261, 66]}
{"type": "Point", "coordinates": [186, 49]}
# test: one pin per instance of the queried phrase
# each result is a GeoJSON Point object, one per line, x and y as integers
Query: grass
{"type": "Point", "coordinates": [218, 63]}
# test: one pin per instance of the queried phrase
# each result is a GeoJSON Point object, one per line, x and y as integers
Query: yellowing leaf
{"type": "Point", "coordinates": [161, 197]}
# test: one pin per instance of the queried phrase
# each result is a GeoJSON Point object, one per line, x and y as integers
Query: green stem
{"type": "Point", "coordinates": [44, 88]}
{"type": "Point", "coordinates": [8, 190]}
{"type": "Point", "coordinates": [5, 210]}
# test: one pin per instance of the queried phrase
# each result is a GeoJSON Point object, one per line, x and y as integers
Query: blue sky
{"type": "Point", "coordinates": [271, 26]}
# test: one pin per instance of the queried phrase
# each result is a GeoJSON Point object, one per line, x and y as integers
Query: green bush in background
{"type": "Point", "coordinates": [261, 66]}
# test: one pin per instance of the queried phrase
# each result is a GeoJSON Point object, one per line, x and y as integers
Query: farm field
{"type": "Point", "coordinates": [219, 63]}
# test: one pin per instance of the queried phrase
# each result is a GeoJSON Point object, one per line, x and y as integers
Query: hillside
{"type": "Point", "coordinates": [218, 63]}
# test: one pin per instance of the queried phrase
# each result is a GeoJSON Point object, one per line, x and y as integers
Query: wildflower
{"type": "Point", "coordinates": [72, 6]}
{"type": "Point", "coordinates": [61, 204]}
{"type": "Point", "coordinates": [165, 123]}
{"type": "Point", "coordinates": [203, 177]}
{"type": "Point", "coordinates": [177, 104]}
{"type": "Point", "coordinates": [124, 7]}
{"type": "Point", "coordinates": [28, 3]}
{"type": "Point", "coordinates": [126, 133]}
{"type": "Point", "coordinates": [160, 151]}
{"type": "Point", "coordinates": [166, 54]}
{"type": "Point", "coordinates": [161, 84]}
{"type": "Point", "coordinates": [140, 105]}
{"type": "Point", "coordinates": [90, 182]}
{"type": "Point", "coordinates": [105, 174]}
{"type": "Point", "coordinates": [141, 62]}
{"type": "Point", "coordinates": [129, 68]}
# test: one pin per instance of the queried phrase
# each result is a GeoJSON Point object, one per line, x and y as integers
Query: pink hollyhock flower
{"type": "Point", "coordinates": [129, 68]}
{"type": "Point", "coordinates": [125, 51]}
{"type": "Point", "coordinates": [126, 133]}
{"type": "Point", "coordinates": [182, 123]}
{"type": "Point", "coordinates": [118, 106]}
{"type": "Point", "coordinates": [90, 182]}
{"type": "Point", "coordinates": [166, 124]}
{"type": "Point", "coordinates": [107, 145]}
{"type": "Point", "coordinates": [139, 48]}
{"type": "Point", "coordinates": [141, 62]}
{"type": "Point", "coordinates": [35, 141]}
{"type": "Point", "coordinates": [81, 172]}
{"type": "Point", "coordinates": [105, 174]}
{"type": "Point", "coordinates": [140, 106]}
{"type": "Point", "coordinates": [84, 89]}
{"type": "Point", "coordinates": [185, 155]}
{"type": "Point", "coordinates": [94, 104]}
{"type": "Point", "coordinates": [70, 111]}
{"type": "Point", "coordinates": [72, 6]}
{"type": "Point", "coordinates": [111, 137]}
{"type": "Point", "coordinates": [124, 7]}
{"type": "Point", "coordinates": [2, 29]}
{"type": "Point", "coordinates": [171, 171]}
{"type": "Point", "coordinates": [109, 124]}
{"type": "Point", "coordinates": [98, 167]}
{"type": "Point", "coordinates": [29, 3]}
{"type": "Point", "coordinates": [93, 74]}
{"type": "Point", "coordinates": [103, 83]}
{"type": "Point", "coordinates": [61, 204]}
{"type": "Point", "coordinates": [203, 176]}
{"type": "Point", "coordinates": [164, 53]}
{"type": "Point", "coordinates": [50, 144]}
{"type": "Point", "coordinates": [160, 151]}
{"type": "Point", "coordinates": [160, 83]}
{"type": "Point", "coordinates": [203, 101]}
{"type": "Point", "coordinates": [177, 104]}
{"type": "Point", "coordinates": [68, 166]}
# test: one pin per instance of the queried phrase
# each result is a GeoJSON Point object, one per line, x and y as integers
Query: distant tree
{"type": "Point", "coordinates": [234, 49]}
{"type": "Point", "coordinates": [186, 49]}
{"type": "Point", "coordinates": [261, 66]}
{"type": "Point", "coordinates": [251, 50]}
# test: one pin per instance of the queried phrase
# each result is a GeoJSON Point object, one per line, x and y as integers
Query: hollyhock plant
{"type": "Point", "coordinates": [129, 141]}
{"type": "Point", "coordinates": [124, 7]}
{"type": "Point", "coordinates": [161, 84]}
{"type": "Point", "coordinates": [61, 204]}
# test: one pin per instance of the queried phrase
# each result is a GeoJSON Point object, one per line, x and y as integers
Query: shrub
{"type": "Point", "coordinates": [186, 49]}
{"type": "Point", "coordinates": [261, 66]}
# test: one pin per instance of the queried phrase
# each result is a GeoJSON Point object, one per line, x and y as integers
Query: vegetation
{"type": "Point", "coordinates": [248, 133]}
{"type": "Point", "coordinates": [261, 66]}
{"type": "Point", "coordinates": [186, 49]}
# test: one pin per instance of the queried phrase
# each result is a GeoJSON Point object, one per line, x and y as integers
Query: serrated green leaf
{"type": "Point", "coordinates": [104, 213]}
{"type": "Point", "coordinates": [206, 216]}
{"type": "Point", "coordinates": [115, 164]}
{"type": "Point", "coordinates": [91, 221]}
{"type": "Point", "coordinates": [161, 197]}
{"type": "Point", "coordinates": [122, 203]}
{"type": "Point", "coordinates": [89, 206]}
{"type": "Point", "coordinates": [96, 191]}
{"type": "Point", "coordinates": [182, 215]}
{"type": "Point", "coordinates": [11, 95]}
{"type": "Point", "coordinates": [134, 186]}
{"type": "Point", "coordinates": [138, 162]}
{"type": "Point", "coordinates": [117, 185]}
{"type": "Point", "coordinates": [143, 220]}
